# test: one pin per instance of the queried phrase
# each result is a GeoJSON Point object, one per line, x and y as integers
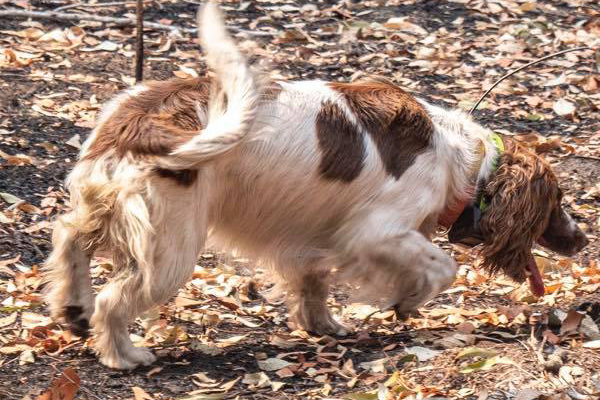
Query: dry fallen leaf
{"type": "Point", "coordinates": [564, 108]}
{"type": "Point", "coordinates": [571, 322]}
{"type": "Point", "coordinates": [140, 394]}
{"type": "Point", "coordinates": [272, 364]}
{"type": "Point", "coordinates": [64, 387]}
{"type": "Point", "coordinates": [593, 344]}
{"type": "Point", "coordinates": [402, 23]}
{"type": "Point", "coordinates": [9, 320]}
{"type": "Point", "coordinates": [74, 141]}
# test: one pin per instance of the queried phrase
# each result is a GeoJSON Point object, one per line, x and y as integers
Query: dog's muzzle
{"type": "Point", "coordinates": [465, 230]}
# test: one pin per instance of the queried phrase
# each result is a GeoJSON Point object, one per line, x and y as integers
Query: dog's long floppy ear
{"type": "Point", "coordinates": [521, 196]}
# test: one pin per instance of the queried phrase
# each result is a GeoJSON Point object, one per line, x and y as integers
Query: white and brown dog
{"type": "Point", "coordinates": [326, 182]}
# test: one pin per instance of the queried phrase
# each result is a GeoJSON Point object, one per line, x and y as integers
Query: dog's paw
{"type": "Point", "coordinates": [332, 328]}
{"type": "Point", "coordinates": [133, 357]}
{"type": "Point", "coordinates": [77, 321]}
{"type": "Point", "coordinates": [142, 355]}
{"type": "Point", "coordinates": [324, 325]}
{"type": "Point", "coordinates": [404, 314]}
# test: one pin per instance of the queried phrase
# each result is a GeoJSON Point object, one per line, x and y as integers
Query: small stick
{"type": "Point", "coordinates": [139, 41]}
{"type": "Point", "coordinates": [59, 16]}
{"type": "Point", "coordinates": [585, 157]}
{"type": "Point", "coordinates": [89, 5]}
{"type": "Point", "coordinates": [90, 17]}
{"type": "Point", "coordinates": [522, 68]}
{"type": "Point", "coordinates": [368, 317]}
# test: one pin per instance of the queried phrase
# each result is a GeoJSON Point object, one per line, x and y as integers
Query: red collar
{"type": "Point", "coordinates": [453, 211]}
{"type": "Point", "coordinates": [456, 207]}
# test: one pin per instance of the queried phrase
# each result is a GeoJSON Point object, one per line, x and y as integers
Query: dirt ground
{"type": "Point", "coordinates": [486, 338]}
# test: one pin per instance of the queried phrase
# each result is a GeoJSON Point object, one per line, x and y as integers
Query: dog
{"type": "Point", "coordinates": [323, 182]}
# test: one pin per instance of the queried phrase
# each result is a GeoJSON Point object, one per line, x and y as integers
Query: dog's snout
{"type": "Point", "coordinates": [564, 235]}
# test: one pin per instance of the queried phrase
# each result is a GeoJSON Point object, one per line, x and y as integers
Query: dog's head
{"type": "Point", "coordinates": [525, 207]}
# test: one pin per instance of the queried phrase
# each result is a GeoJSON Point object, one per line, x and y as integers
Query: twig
{"type": "Point", "coordinates": [368, 317]}
{"type": "Point", "coordinates": [139, 41]}
{"type": "Point", "coordinates": [59, 16]}
{"type": "Point", "coordinates": [522, 68]}
{"type": "Point", "coordinates": [307, 36]}
{"type": "Point", "coordinates": [13, 75]}
{"type": "Point", "coordinates": [585, 157]}
{"type": "Point", "coordinates": [175, 30]}
{"type": "Point", "coordinates": [92, 5]}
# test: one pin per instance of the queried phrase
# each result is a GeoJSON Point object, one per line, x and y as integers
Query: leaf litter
{"type": "Point", "coordinates": [482, 339]}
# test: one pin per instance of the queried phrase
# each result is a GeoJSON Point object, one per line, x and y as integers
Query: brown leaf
{"type": "Point", "coordinates": [571, 322]}
{"type": "Point", "coordinates": [465, 327]}
{"type": "Point", "coordinates": [140, 394]}
{"type": "Point", "coordinates": [528, 394]}
{"type": "Point", "coordinates": [549, 145]}
{"type": "Point", "coordinates": [591, 84]}
{"type": "Point", "coordinates": [17, 159]}
{"type": "Point", "coordinates": [28, 33]}
{"type": "Point", "coordinates": [29, 208]}
{"type": "Point", "coordinates": [13, 58]}
{"type": "Point", "coordinates": [64, 387]}
{"type": "Point", "coordinates": [285, 373]}
{"type": "Point", "coordinates": [551, 337]}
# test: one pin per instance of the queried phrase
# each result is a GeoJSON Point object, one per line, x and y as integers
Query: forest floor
{"type": "Point", "coordinates": [485, 338]}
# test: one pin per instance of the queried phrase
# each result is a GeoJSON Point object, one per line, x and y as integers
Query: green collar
{"type": "Point", "coordinates": [499, 144]}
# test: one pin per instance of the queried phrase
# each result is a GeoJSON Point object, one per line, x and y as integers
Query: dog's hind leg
{"type": "Point", "coordinates": [178, 234]}
{"type": "Point", "coordinates": [307, 304]}
{"type": "Point", "coordinates": [305, 276]}
{"type": "Point", "coordinates": [69, 289]}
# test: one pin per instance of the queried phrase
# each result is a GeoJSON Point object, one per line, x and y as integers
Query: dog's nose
{"type": "Point", "coordinates": [580, 240]}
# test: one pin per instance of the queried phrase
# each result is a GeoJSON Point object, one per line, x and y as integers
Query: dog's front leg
{"type": "Point", "coordinates": [403, 270]}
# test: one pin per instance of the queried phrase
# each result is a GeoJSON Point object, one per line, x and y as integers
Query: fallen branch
{"type": "Point", "coordinates": [584, 157]}
{"type": "Point", "coordinates": [90, 17]}
{"type": "Point", "coordinates": [60, 16]}
{"type": "Point", "coordinates": [92, 5]}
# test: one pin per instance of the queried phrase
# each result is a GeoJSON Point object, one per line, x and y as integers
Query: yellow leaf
{"type": "Point", "coordinates": [476, 352]}
{"type": "Point", "coordinates": [529, 6]}
{"type": "Point", "coordinates": [140, 394]}
{"type": "Point", "coordinates": [485, 364]}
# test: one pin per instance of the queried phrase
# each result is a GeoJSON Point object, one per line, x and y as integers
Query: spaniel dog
{"type": "Point", "coordinates": [324, 182]}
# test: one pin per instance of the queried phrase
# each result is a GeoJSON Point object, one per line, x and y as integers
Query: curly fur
{"type": "Point", "coordinates": [522, 194]}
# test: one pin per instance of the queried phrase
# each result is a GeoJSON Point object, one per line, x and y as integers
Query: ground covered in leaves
{"type": "Point", "coordinates": [482, 339]}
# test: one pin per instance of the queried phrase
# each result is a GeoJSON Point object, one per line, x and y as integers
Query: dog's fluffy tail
{"type": "Point", "coordinates": [232, 106]}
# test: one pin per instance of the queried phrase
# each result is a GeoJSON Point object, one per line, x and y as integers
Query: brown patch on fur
{"type": "Point", "coordinates": [184, 177]}
{"type": "Point", "coordinates": [271, 91]}
{"type": "Point", "coordinates": [154, 121]}
{"type": "Point", "coordinates": [398, 124]}
{"type": "Point", "coordinates": [522, 194]}
{"type": "Point", "coordinates": [342, 145]}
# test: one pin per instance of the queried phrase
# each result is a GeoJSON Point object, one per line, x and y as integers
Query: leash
{"type": "Point", "coordinates": [522, 68]}
{"type": "Point", "coordinates": [139, 41]}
